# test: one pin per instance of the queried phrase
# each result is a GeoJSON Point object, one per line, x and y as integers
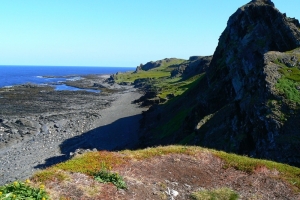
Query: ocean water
{"type": "Point", "coordinates": [52, 75]}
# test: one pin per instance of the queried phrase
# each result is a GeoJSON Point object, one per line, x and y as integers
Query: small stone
{"type": "Point", "coordinates": [174, 193]}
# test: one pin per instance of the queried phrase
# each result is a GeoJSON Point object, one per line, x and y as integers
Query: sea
{"type": "Point", "coordinates": [51, 75]}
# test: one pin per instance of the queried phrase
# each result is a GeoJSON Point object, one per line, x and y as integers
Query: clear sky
{"type": "Point", "coordinates": [114, 32]}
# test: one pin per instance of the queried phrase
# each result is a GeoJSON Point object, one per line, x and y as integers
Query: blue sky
{"type": "Point", "coordinates": [113, 32]}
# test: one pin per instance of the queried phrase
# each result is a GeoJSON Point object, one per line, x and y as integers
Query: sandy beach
{"type": "Point", "coordinates": [59, 133]}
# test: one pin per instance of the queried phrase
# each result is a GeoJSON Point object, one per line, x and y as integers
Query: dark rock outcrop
{"type": "Point", "coordinates": [242, 79]}
{"type": "Point", "coordinates": [151, 65]}
{"type": "Point", "coordinates": [195, 65]}
{"type": "Point", "coordinates": [239, 107]}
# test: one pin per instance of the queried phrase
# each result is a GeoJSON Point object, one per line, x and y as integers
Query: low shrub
{"type": "Point", "coordinates": [105, 176]}
{"type": "Point", "coordinates": [20, 190]}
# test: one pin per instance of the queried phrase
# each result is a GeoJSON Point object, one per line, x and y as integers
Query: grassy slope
{"type": "Point", "coordinates": [163, 71]}
{"type": "Point", "coordinates": [290, 80]}
{"type": "Point", "coordinates": [92, 162]}
{"type": "Point", "coordinates": [159, 79]}
{"type": "Point", "coordinates": [179, 107]}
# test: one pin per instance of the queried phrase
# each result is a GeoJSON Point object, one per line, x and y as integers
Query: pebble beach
{"type": "Point", "coordinates": [78, 120]}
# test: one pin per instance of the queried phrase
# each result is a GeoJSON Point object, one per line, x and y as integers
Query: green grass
{"type": "Point", "coordinates": [216, 194]}
{"type": "Point", "coordinates": [22, 190]}
{"type": "Point", "coordinates": [105, 176]}
{"type": "Point", "coordinates": [172, 125]}
{"type": "Point", "coordinates": [292, 73]}
{"type": "Point", "coordinates": [131, 76]}
{"type": "Point", "coordinates": [177, 118]}
{"type": "Point", "coordinates": [242, 163]}
{"type": "Point", "coordinates": [246, 164]}
{"type": "Point", "coordinates": [113, 159]}
{"type": "Point", "coordinates": [163, 71]}
{"type": "Point", "coordinates": [289, 81]}
{"type": "Point", "coordinates": [90, 164]}
{"type": "Point", "coordinates": [50, 174]}
{"type": "Point", "coordinates": [161, 150]}
{"type": "Point", "coordinates": [176, 86]}
{"type": "Point", "coordinates": [288, 88]}
{"type": "Point", "coordinates": [158, 79]}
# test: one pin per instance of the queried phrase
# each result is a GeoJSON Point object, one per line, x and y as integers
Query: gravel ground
{"type": "Point", "coordinates": [49, 137]}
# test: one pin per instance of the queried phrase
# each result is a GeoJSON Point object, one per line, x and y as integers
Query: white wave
{"type": "Point", "coordinates": [74, 78]}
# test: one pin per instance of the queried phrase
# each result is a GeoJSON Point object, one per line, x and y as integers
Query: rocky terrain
{"type": "Point", "coordinates": [195, 65]}
{"type": "Point", "coordinates": [247, 100]}
{"type": "Point", "coordinates": [151, 65]}
{"type": "Point", "coordinates": [35, 121]}
{"type": "Point", "coordinates": [171, 172]}
{"type": "Point", "coordinates": [244, 99]}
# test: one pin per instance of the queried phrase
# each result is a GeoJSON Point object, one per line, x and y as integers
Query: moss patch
{"type": "Point", "coordinates": [176, 86]}
{"type": "Point", "coordinates": [216, 194]}
{"type": "Point", "coordinates": [246, 164]}
{"type": "Point", "coordinates": [289, 89]}
{"type": "Point", "coordinates": [84, 162]}
{"type": "Point", "coordinates": [292, 73]}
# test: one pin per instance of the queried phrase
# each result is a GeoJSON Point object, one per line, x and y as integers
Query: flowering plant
{"type": "Point", "coordinates": [22, 190]}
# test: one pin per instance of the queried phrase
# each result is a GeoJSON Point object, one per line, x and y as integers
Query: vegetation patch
{"type": "Point", "coordinates": [130, 77]}
{"type": "Point", "coordinates": [92, 162]}
{"type": "Point", "coordinates": [172, 125]}
{"type": "Point", "coordinates": [246, 164]}
{"type": "Point", "coordinates": [164, 70]}
{"type": "Point", "coordinates": [51, 174]}
{"type": "Point", "coordinates": [102, 163]}
{"type": "Point", "coordinates": [162, 150]}
{"type": "Point", "coordinates": [176, 87]}
{"type": "Point", "coordinates": [292, 73]}
{"type": "Point", "coordinates": [89, 163]}
{"type": "Point", "coordinates": [158, 79]}
{"type": "Point", "coordinates": [22, 190]}
{"type": "Point", "coordinates": [216, 194]}
{"type": "Point", "coordinates": [289, 89]}
{"type": "Point", "coordinates": [105, 176]}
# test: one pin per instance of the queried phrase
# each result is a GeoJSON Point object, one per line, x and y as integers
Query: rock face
{"type": "Point", "coordinates": [242, 80]}
{"type": "Point", "coordinates": [249, 100]}
{"type": "Point", "coordinates": [195, 65]}
{"type": "Point", "coordinates": [152, 65]}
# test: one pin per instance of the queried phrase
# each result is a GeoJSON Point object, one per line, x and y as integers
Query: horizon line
{"type": "Point", "coordinates": [62, 66]}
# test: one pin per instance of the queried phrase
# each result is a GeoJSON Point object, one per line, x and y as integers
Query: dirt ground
{"type": "Point", "coordinates": [152, 178]}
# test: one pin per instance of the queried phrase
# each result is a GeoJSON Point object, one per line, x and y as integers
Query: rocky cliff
{"type": "Point", "coordinates": [248, 101]}
{"type": "Point", "coordinates": [195, 65]}
{"type": "Point", "coordinates": [154, 64]}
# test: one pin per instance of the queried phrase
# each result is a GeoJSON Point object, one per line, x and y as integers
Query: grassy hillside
{"type": "Point", "coordinates": [163, 172]}
{"type": "Point", "coordinates": [97, 175]}
{"type": "Point", "coordinates": [163, 71]}
{"type": "Point", "coordinates": [159, 79]}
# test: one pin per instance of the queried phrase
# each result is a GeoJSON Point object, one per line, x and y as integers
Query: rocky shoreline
{"type": "Point", "coordinates": [40, 126]}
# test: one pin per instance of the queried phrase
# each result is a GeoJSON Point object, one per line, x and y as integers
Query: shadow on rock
{"type": "Point", "coordinates": [121, 134]}
{"type": "Point", "coordinates": [52, 161]}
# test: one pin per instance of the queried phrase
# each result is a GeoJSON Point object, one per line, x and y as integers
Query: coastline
{"type": "Point", "coordinates": [80, 120]}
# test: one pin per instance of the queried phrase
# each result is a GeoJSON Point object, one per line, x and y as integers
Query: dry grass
{"type": "Point", "coordinates": [148, 169]}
